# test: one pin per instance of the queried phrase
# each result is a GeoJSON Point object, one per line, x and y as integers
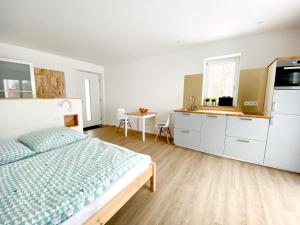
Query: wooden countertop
{"type": "Point", "coordinates": [223, 112]}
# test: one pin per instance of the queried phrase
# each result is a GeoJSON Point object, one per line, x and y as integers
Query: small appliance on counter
{"type": "Point", "coordinates": [226, 101]}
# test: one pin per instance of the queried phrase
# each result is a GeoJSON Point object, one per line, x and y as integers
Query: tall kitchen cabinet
{"type": "Point", "coordinates": [282, 102]}
{"type": "Point", "coordinates": [283, 146]}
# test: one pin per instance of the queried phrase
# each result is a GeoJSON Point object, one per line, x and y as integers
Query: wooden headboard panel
{"type": "Point", "coordinates": [20, 116]}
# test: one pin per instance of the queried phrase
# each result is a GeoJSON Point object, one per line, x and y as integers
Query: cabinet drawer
{"type": "Point", "coordinates": [188, 121]}
{"type": "Point", "coordinates": [187, 138]}
{"type": "Point", "coordinates": [247, 127]}
{"type": "Point", "coordinates": [244, 149]}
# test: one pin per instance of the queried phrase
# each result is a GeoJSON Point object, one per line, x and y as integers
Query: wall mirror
{"type": "Point", "coordinates": [16, 79]}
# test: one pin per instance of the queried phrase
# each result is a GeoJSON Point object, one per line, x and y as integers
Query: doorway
{"type": "Point", "coordinates": [89, 89]}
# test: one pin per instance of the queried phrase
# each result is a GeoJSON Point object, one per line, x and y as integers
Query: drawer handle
{"type": "Point", "coordinates": [245, 141]}
{"type": "Point", "coordinates": [244, 118]}
{"type": "Point", "coordinates": [186, 114]}
{"type": "Point", "coordinates": [212, 116]}
{"type": "Point", "coordinates": [274, 106]}
{"type": "Point", "coordinates": [272, 121]}
{"type": "Point", "coordinates": [185, 131]}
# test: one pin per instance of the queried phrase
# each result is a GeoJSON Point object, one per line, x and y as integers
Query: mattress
{"type": "Point", "coordinates": [76, 180]}
{"type": "Point", "coordinates": [83, 215]}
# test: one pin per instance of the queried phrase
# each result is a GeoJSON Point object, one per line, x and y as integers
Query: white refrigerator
{"type": "Point", "coordinates": [283, 145]}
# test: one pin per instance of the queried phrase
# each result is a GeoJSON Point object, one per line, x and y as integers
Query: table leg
{"type": "Point", "coordinates": [126, 121]}
{"type": "Point", "coordinates": [143, 128]}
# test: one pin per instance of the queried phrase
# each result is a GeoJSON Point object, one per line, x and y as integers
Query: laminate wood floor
{"type": "Point", "coordinates": [195, 188]}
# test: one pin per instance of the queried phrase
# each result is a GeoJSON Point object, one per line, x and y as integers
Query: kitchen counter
{"type": "Point", "coordinates": [225, 112]}
{"type": "Point", "coordinates": [228, 132]}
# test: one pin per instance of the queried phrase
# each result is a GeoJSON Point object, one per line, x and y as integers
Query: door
{"type": "Point", "coordinates": [88, 89]}
{"type": "Point", "coordinates": [213, 134]}
{"type": "Point", "coordinates": [286, 102]}
{"type": "Point", "coordinates": [283, 149]}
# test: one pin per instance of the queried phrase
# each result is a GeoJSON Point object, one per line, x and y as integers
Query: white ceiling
{"type": "Point", "coordinates": [111, 31]}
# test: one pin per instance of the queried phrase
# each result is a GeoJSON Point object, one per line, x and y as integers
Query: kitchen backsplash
{"type": "Point", "coordinates": [252, 86]}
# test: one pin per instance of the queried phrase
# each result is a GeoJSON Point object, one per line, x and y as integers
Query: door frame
{"type": "Point", "coordinates": [102, 92]}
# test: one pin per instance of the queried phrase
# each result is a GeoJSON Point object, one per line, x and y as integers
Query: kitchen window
{"type": "Point", "coordinates": [221, 76]}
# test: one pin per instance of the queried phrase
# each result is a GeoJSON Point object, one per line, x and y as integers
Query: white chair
{"type": "Point", "coordinates": [163, 129]}
{"type": "Point", "coordinates": [121, 118]}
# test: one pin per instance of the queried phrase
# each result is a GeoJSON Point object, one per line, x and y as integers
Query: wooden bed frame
{"type": "Point", "coordinates": [105, 213]}
{"type": "Point", "coordinates": [37, 118]}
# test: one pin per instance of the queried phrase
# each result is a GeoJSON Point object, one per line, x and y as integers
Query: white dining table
{"type": "Point", "coordinates": [141, 117]}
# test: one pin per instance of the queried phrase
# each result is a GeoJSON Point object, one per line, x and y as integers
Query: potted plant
{"type": "Point", "coordinates": [207, 100]}
{"type": "Point", "coordinates": [214, 101]}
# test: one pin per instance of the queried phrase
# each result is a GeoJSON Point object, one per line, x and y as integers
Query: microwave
{"type": "Point", "coordinates": [287, 74]}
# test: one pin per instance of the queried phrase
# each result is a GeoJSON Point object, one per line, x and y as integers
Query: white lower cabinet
{"type": "Point", "coordinates": [213, 134]}
{"type": "Point", "coordinates": [241, 138]}
{"type": "Point", "coordinates": [245, 149]}
{"type": "Point", "coordinates": [187, 138]}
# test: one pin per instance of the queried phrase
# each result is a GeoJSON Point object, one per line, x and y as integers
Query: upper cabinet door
{"type": "Point", "coordinates": [286, 102]}
{"type": "Point", "coordinates": [188, 121]}
{"type": "Point", "coordinates": [213, 134]}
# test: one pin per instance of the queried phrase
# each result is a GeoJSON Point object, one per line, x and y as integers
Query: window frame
{"type": "Point", "coordinates": [32, 77]}
{"type": "Point", "coordinates": [87, 90]}
{"type": "Point", "coordinates": [221, 59]}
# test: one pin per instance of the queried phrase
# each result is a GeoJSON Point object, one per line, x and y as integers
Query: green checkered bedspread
{"type": "Point", "coordinates": [50, 187]}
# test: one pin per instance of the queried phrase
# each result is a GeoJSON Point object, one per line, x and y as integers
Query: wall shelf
{"type": "Point", "coordinates": [71, 120]}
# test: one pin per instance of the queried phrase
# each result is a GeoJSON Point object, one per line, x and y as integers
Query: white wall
{"type": "Point", "coordinates": [157, 82]}
{"type": "Point", "coordinates": [50, 61]}
{"type": "Point", "coordinates": [23, 116]}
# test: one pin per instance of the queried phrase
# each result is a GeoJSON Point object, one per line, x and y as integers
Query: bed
{"type": "Point", "coordinates": [84, 182]}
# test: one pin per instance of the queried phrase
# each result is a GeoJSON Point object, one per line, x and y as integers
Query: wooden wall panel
{"type": "Point", "coordinates": [192, 87]}
{"type": "Point", "coordinates": [252, 87]}
{"type": "Point", "coordinates": [49, 83]}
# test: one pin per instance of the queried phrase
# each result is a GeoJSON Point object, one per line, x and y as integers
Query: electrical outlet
{"type": "Point", "coordinates": [250, 103]}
